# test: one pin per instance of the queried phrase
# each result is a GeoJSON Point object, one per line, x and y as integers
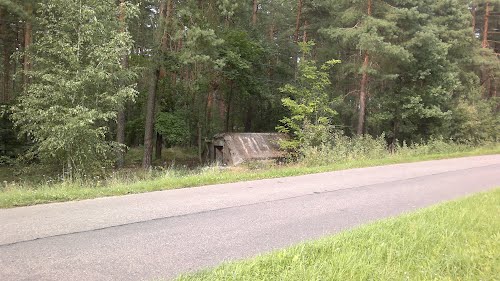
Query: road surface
{"type": "Point", "coordinates": [162, 234]}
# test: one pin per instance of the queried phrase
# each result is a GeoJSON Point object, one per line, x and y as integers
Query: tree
{"type": "Point", "coordinates": [368, 35]}
{"type": "Point", "coordinates": [308, 101]}
{"type": "Point", "coordinates": [364, 82]}
{"type": "Point", "coordinates": [121, 118]}
{"type": "Point", "coordinates": [153, 87]}
{"type": "Point", "coordinates": [410, 69]}
{"type": "Point", "coordinates": [77, 84]}
{"type": "Point", "coordinates": [298, 18]}
{"type": "Point", "coordinates": [438, 79]}
{"type": "Point", "coordinates": [255, 10]}
{"type": "Point", "coordinates": [15, 34]}
{"type": "Point", "coordinates": [28, 40]}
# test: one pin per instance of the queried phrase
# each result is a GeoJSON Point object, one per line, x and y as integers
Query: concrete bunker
{"type": "Point", "coordinates": [233, 149]}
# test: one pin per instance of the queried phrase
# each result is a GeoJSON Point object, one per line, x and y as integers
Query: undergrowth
{"type": "Point", "coordinates": [346, 154]}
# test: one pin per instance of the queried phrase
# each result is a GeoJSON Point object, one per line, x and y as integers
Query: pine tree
{"type": "Point", "coordinates": [367, 33]}
{"type": "Point", "coordinates": [161, 41]}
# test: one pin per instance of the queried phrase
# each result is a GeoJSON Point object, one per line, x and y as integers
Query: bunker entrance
{"type": "Point", "coordinates": [233, 149]}
{"type": "Point", "coordinates": [219, 154]}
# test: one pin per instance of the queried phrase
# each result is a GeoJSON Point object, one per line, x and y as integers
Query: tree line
{"type": "Point", "coordinates": [82, 80]}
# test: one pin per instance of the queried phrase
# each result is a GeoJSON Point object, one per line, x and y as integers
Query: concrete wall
{"type": "Point", "coordinates": [236, 148]}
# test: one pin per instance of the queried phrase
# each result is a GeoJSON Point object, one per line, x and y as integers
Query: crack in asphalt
{"type": "Point", "coordinates": [361, 187]}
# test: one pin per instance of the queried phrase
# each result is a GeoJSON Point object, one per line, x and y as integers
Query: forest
{"type": "Point", "coordinates": [84, 82]}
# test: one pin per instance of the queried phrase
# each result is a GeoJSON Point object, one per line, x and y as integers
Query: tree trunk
{"type": "Point", "coordinates": [170, 10]}
{"type": "Point", "coordinates": [159, 146]}
{"type": "Point", "coordinates": [304, 39]}
{"type": "Point", "coordinates": [121, 118]}
{"type": "Point", "coordinates": [209, 105]}
{"type": "Point", "coordinates": [369, 9]}
{"type": "Point", "coordinates": [254, 12]}
{"type": "Point", "coordinates": [3, 37]}
{"type": "Point", "coordinates": [165, 47]}
{"type": "Point", "coordinates": [362, 96]}
{"type": "Point", "coordinates": [486, 25]}
{"type": "Point", "coordinates": [485, 73]}
{"type": "Point", "coordinates": [208, 108]}
{"type": "Point", "coordinates": [494, 92]}
{"type": "Point", "coordinates": [395, 132]}
{"type": "Point", "coordinates": [166, 13]}
{"type": "Point", "coordinates": [297, 21]}
{"type": "Point", "coordinates": [120, 137]}
{"type": "Point", "coordinates": [4, 98]}
{"type": "Point", "coordinates": [200, 148]}
{"type": "Point", "coordinates": [149, 126]}
{"type": "Point", "coordinates": [296, 37]}
{"type": "Point", "coordinates": [249, 117]}
{"type": "Point", "coordinates": [228, 107]}
{"type": "Point", "coordinates": [271, 60]}
{"type": "Point", "coordinates": [272, 31]}
{"type": "Point", "coordinates": [28, 32]}
{"type": "Point", "coordinates": [165, 5]}
{"type": "Point", "coordinates": [474, 15]}
{"type": "Point", "coordinates": [364, 86]}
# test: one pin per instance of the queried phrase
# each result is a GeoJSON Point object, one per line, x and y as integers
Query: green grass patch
{"type": "Point", "coordinates": [23, 194]}
{"type": "Point", "coordinates": [459, 240]}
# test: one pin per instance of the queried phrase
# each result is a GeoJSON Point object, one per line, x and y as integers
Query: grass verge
{"type": "Point", "coordinates": [25, 195]}
{"type": "Point", "coordinates": [459, 240]}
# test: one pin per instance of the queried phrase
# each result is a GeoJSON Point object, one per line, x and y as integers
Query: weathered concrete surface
{"type": "Point", "coordinates": [236, 148]}
{"type": "Point", "coordinates": [162, 234]}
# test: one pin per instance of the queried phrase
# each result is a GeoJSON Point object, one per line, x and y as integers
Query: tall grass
{"type": "Point", "coordinates": [348, 153]}
{"type": "Point", "coordinates": [343, 149]}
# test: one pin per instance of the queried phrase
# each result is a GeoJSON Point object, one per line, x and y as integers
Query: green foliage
{"type": "Point", "coordinates": [433, 146]}
{"type": "Point", "coordinates": [339, 148]}
{"type": "Point", "coordinates": [474, 122]}
{"type": "Point", "coordinates": [173, 127]}
{"type": "Point", "coordinates": [77, 84]}
{"type": "Point", "coordinates": [10, 146]}
{"type": "Point", "coordinates": [428, 76]}
{"type": "Point", "coordinates": [307, 100]}
{"type": "Point", "coordinates": [227, 8]}
{"type": "Point", "coordinates": [239, 54]}
{"type": "Point", "coordinates": [423, 63]}
{"type": "Point", "coordinates": [14, 7]}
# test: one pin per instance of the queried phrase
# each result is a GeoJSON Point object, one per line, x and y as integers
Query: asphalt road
{"type": "Point", "coordinates": [162, 234]}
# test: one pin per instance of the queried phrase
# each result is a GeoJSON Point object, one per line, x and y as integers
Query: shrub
{"type": "Point", "coordinates": [341, 148]}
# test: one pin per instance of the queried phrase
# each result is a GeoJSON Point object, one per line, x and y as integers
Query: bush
{"type": "Point", "coordinates": [433, 146]}
{"type": "Point", "coordinates": [173, 126]}
{"type": "Point", "coordinates": [340, 148]}
{"type": "Point", "coordinates": [6, 161]}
